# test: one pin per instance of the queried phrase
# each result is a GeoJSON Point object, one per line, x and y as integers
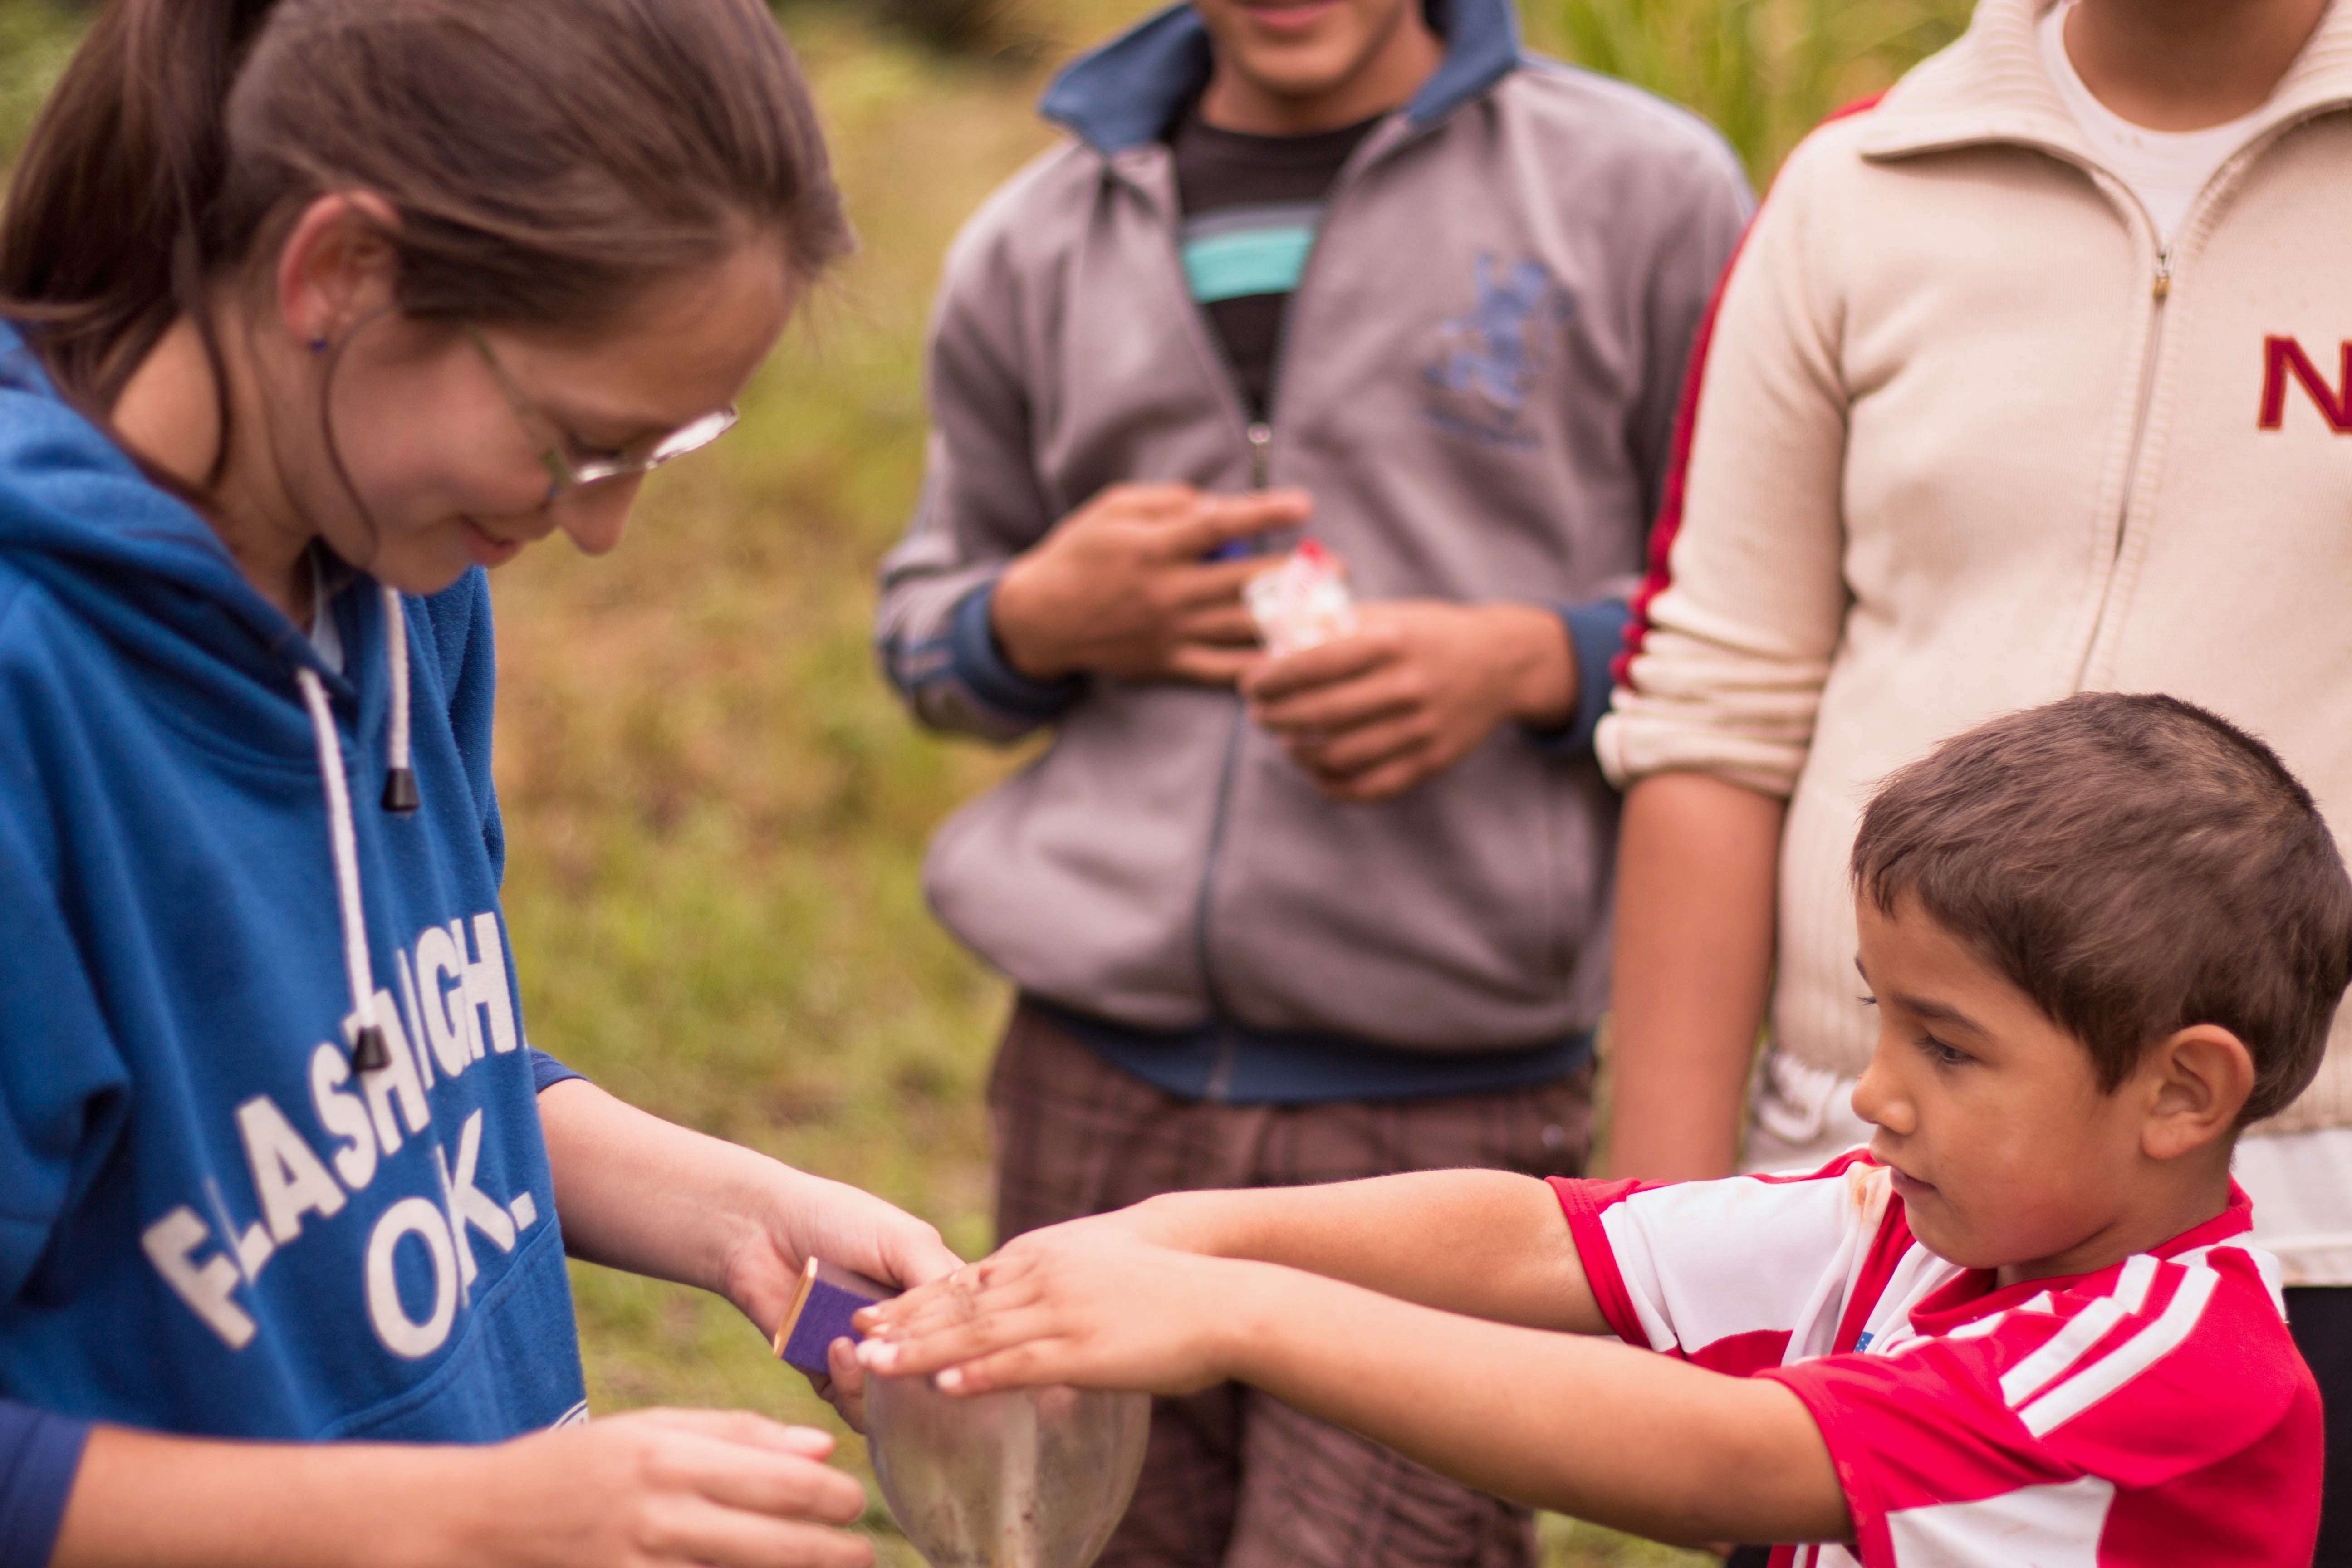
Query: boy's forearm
{"type": "Point", "coordinates": [1600, 1430]}
{"type": "Point", "coordinates": [1488, 1244]}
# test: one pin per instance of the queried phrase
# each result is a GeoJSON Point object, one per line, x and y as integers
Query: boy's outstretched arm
{"type": "Point", "coordinates": [1485, 1242]}
{"type": "Point", "coordinates": [1606, 1432]}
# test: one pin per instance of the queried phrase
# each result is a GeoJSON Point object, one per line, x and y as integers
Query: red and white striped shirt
{"type": "Point", "coordinates": [2154, 1413]}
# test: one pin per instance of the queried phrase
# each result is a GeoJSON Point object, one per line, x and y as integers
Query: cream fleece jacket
{"type": "Point", "coordinates": [1965, 441]}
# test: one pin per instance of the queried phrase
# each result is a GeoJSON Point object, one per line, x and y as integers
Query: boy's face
{"type": "Point", "coordinates": [2007, 1154]}
{"type": "Point", "coordinates": [1303, 49]}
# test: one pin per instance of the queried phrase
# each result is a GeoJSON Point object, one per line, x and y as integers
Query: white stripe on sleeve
{"type": "Point", "coordinates": [2070, 1398]}
{"type": "Point", "coordinates": [2087, 1328]}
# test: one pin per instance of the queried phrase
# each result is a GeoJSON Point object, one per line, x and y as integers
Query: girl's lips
{"type": "Point", "coordinates": [486, 550]}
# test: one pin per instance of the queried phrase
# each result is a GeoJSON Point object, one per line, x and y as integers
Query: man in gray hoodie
{"type": "Point", "coordinates": [1360, 269]}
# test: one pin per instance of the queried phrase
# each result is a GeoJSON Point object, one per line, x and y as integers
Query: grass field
{"type": "Point", "coordinates": [715, 809]}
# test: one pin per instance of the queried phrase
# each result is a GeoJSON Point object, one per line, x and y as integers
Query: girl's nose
{"type": "Point", "coordinates": [593, 516]}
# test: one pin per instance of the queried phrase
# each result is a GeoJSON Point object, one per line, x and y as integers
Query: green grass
{"type": "Point", "coordinates": [717, 811]}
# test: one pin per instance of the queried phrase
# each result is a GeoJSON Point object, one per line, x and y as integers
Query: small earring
{"type": "Point", "coordinates": [317, 345]}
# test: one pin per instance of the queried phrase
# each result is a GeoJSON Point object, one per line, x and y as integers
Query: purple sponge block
{"type": "Point", "coordinates": [821, 1310]}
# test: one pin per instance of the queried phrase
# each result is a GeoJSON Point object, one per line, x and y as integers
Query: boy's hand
{"type": "Point", "coordinates": [1121, 587]}
{"type": "Point", "coordinates": [1082, 1304]}
{"type": "Point", "coordinates": [1412, 690]}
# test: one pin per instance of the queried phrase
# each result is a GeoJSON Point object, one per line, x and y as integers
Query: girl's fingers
{"type": "Point", "coordinates": [737, 1426]}
{"type": "Point", "coordinates": [700, 1532]}
{"type": "Point", "coordinates": [775, 1485]}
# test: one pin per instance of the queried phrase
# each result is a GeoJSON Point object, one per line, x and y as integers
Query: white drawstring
{"type": "Point", "coordinates": [368, 1048]}
{"type": "Point", "coordinates": [399, 780]}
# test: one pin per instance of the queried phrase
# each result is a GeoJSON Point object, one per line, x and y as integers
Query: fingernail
{"type": "Point", "coordinates": [951, 1379]}
{"type": "Point", "coordinates": [875, 1356]}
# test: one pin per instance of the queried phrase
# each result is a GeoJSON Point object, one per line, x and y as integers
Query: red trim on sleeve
{"type": "Point", "coordinates": [1670, 500]}
{"type": "Point", "coordinates": [1581, 1202]}
{"type": "Point", "coordinates": [1865, 1507]}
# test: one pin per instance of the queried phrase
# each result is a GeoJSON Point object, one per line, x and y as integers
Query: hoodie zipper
{"type": "Point", "coordinates": [1258, 435]}
{"type": "Point", "coordinates": [2159, 292]}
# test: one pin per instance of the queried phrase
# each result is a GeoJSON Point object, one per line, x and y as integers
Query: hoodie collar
{"type": "Point", "coordinates": [1991, 87]}
{"type": "Point", "coordinates": [1130, 91]}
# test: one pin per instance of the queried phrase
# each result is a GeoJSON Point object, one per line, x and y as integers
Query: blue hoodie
{"type": "Point", "coordinates": [209, 1222]}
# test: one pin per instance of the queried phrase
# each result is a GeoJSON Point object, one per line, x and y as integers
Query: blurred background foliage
{"type": "Point", "coordinates": [715, 811]}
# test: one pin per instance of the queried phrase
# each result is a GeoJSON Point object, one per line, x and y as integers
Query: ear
{"type": "Point", "coordinates": [336, 267]}
{"type": "Point", "coordinates": [2199, 1080]}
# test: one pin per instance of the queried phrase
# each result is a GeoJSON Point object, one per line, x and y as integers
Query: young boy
{"type": "Point", "coordinates": [2100, 937]}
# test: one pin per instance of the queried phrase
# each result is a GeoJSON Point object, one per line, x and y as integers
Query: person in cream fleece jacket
{"type": "Point", "coordinates": [2032, 377]}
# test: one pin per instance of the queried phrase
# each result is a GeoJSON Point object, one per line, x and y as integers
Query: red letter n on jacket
{"type": "Point", "coordinates": [2285, 356]}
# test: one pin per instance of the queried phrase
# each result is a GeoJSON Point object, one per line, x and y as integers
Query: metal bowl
{"type": "Point", "coordinates": [1034, 1477]}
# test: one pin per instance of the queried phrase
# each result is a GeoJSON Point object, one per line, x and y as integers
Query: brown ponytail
{"type": "Point", "coordinates": [546, 159]}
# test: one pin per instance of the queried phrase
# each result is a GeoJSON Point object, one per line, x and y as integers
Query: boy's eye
{"type": "Point", "coordinates": [1942, 1054]}
{"type": "Point", "coordinates": [1868, 1001]}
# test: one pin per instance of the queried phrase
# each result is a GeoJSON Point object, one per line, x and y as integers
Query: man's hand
{"type": "Point", "coordinates": [1082, 1303]}
{"type": "Point", "coordinates": [1419, 685]}
{"type": "Point", "coordinates": [1121, 587]}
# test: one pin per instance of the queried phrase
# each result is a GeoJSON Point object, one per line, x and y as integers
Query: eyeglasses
{"type": "Point", "coordinates": [566, 473]}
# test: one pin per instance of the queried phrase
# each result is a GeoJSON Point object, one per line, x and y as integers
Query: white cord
{"type": "Point", "coordinates": [395, 626]}
{"type": "Point", "coordinates": [346, 848]}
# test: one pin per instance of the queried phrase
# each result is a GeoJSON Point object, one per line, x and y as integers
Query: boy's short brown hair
{"type": "Point", "coordinates": [2134, 865]}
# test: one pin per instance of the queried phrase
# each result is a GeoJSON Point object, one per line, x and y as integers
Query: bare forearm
{"type": "Point", "coordinates": [637, 1192]}
{"type": "Point", "coordinates": [1696, 867]}
{"type": "Point", "coordinates": [148, 1500]}
{"type": "Point", "coordinates": [1485, 1242]}
{"type": "Point", "coordinates": [1596, 1429]}
{"type": "Point", "coordinates": [653, 1488]}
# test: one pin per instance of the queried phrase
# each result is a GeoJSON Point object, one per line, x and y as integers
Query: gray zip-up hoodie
{"type": "Point", "coordinates": [1477, 383]}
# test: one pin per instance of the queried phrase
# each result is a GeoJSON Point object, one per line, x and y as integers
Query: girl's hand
{"type": "Point", "coordinates": [1086, 1304]}
{"type": "Point", "coordinates": [649, 1490]}
{"type": "Point", "coordinates": [660, 1486]}
{"type": "Point", "coordinates": [810, 1216]}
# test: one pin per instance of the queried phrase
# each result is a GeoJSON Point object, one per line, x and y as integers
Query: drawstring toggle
{"type": "Point", "coordinates": [369, 1053]}
{"type": "Point", "coordinates": [400, 790]}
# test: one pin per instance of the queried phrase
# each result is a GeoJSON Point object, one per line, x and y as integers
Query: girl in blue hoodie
{"type": "Point", "coordinates": [309, 311]}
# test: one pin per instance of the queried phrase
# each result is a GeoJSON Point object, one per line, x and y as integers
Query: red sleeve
{"type": "Point", "coordinates": [1582, 1202]}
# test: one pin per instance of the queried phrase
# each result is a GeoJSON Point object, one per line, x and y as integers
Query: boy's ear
{"type": "Point", "coordinates": [2200, 1078]}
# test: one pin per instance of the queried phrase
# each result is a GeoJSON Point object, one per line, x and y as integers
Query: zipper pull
{"type": "Point", "coordinates": [2164, 272]}
{"type": "Point", "coordinates": [1261, 445]}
